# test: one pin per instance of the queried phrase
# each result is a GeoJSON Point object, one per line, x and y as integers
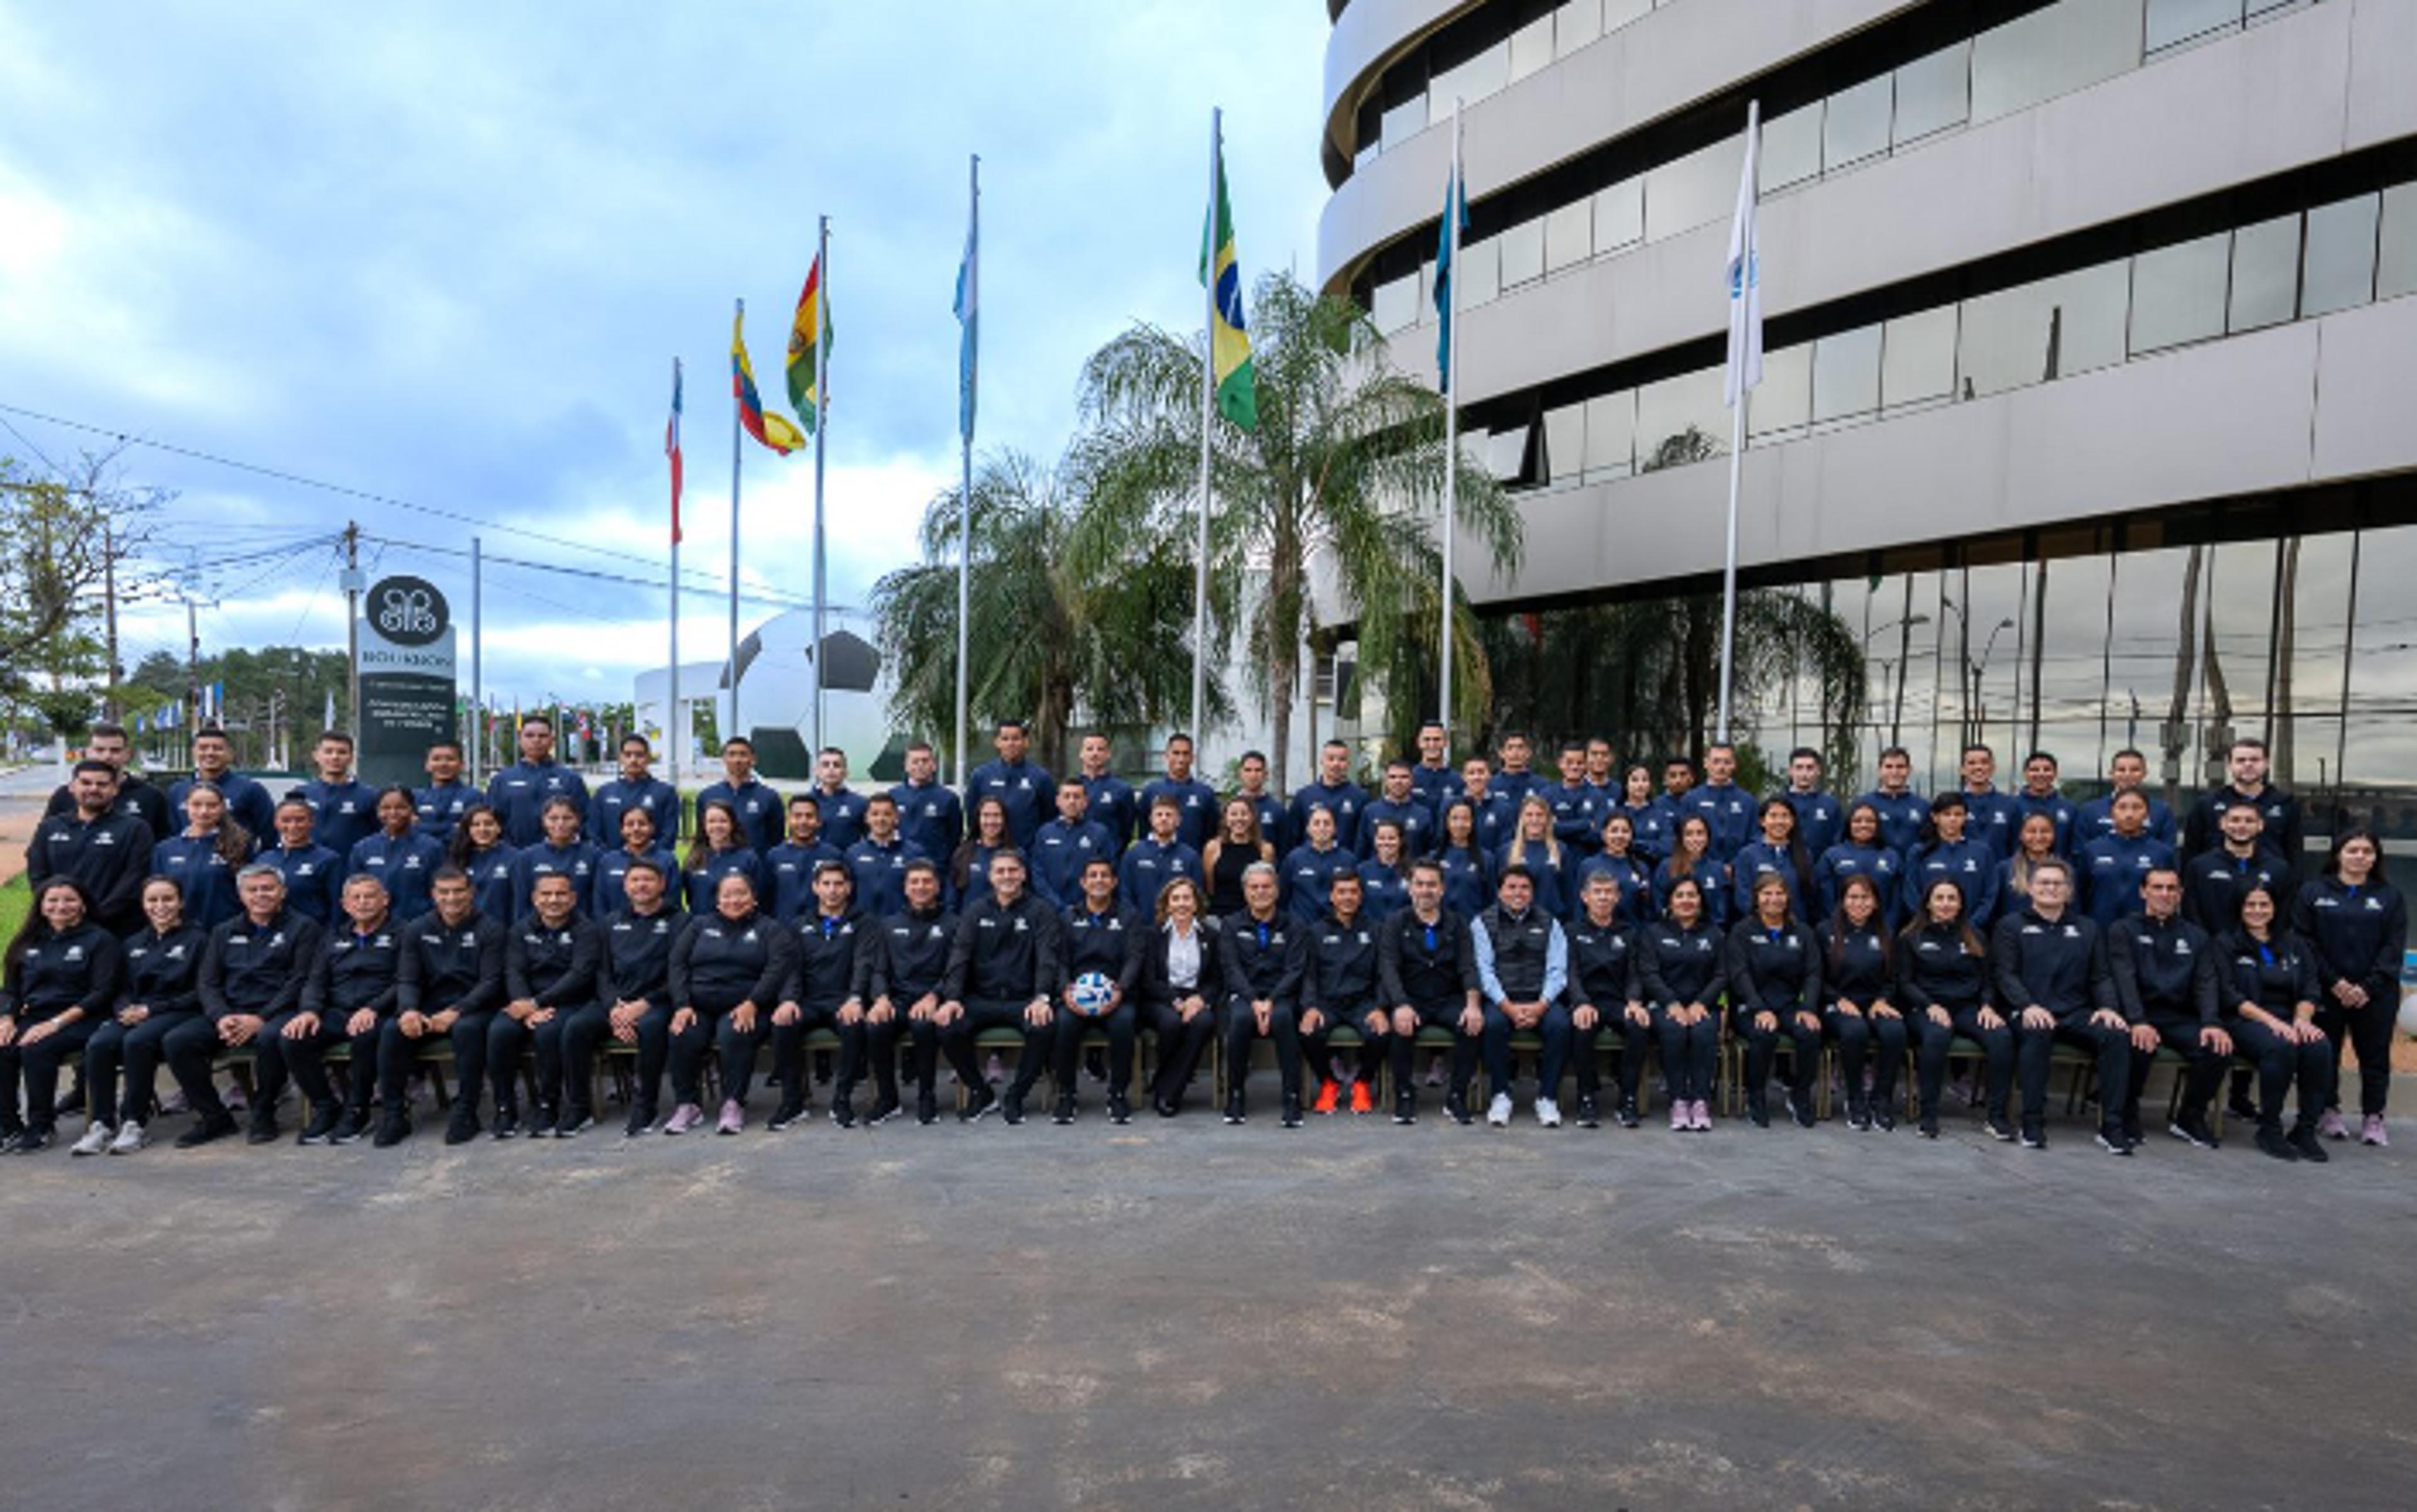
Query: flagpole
{"type": "Point", "coordinates": [971, 316]}
{"type": "Point", "coordinates": [477, 742]}
{"type": "Point", "coordinates": [672, 704]}
{"type": "Point", "coordinates": [1208, 420]}
{"type": "Point", "coordinates": [735, 728]}
{"type": "Point", "coordinates": [822, 434]}
{"type": "Point", "coordinates": [1748, 279]}
{"type": "Point", "coordinates": [1455, 197]}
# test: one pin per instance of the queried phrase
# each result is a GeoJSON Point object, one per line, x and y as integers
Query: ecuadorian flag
{"type": "Point", "coordinates": [809, 329]}
{"type": "Point", "coordinates": [1229, 341]}
{"type": "Point", "coordinates": [770, 427]}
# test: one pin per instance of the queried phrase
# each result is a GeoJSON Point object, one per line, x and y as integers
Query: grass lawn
{"type": "Point", "coordinates": [15, 899]}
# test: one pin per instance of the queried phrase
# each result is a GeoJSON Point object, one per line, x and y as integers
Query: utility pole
{"type": "Point", "coordinates": [194, 660]}
{"type": "Point", "coordinates": [352, 625]}
{"type": "Point", "coordinates": [109, 618]}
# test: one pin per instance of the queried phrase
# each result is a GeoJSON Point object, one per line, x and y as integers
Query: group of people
{"type": "Point", "coordinates": [344, 937]}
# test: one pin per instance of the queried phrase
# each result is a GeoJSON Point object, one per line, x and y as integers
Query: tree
{"type": "Point", "coordinates": [61, 539]}
{"type": "Point", "coordinates": [1345, 469]}
{"type": "Point", "coordinates": [1057, 634]}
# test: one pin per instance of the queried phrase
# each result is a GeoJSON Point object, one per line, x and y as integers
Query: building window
{"type": "Point", "coordinates": [2339, 270]}
{"type": "Point", "coordinates": [1847, 375]}
{"type": "Point", "coordinates": [2265, 273]}
{"type": "Point", "coordinates": [2395, 269]}
{"type": "Point", "coordinates": [2178, 293]}
{"type": "Point", "coordinates": [1918, 359]}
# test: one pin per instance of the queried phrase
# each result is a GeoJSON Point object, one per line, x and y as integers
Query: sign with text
{"type": "Point", "coordinates": [407, 683]}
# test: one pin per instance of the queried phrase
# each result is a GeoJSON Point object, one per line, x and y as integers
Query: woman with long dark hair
{"type": "Point", "coordinates": [163, 963]}
{"type": "Point", "coordinates": [479, 849]}
{"type": "Point", "coordinates": [1776, 851]}
{"type": "Point", "coordinates": [1230, 852]}
{"type": "Point", "coordinates": [1468, 872]}
{"type": "Point", "coordinates": [203, 860]}
{"type": "Point", "coordinates": [399, 855]}
{"type": "Point", "coordinates": [1679, 966]}
{"type": "Point", "coordinates": [1943, 986]}
{"type": "Point", "coordinates": [1648, 820]}
{"type": "Point", "coordinates": [718, 851]}
{"type": "Point", "coordinates": [1775, 971]}
{"type": "Point", "coordinates": [1947, 852]}
{"type": "Point", "coordinates": [1858, 977]}
{"type": "Point", "coordinates": [968, 876]}
{"type": "Point", "coordinates": [2269, 1005]}
{"type": "Point", "coordinates": [1863, 851]}
{"type": "Point", "coordinates": [58, 982]}
{"type": "Point", "coordinates": [2358, 926]}
{"type": "Point", "coordinates": [1692, 860]}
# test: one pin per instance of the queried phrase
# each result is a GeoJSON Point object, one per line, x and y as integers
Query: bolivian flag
{"type": "Point", "coordinates": [1229, 342]}
{"type": "Point", "coordinates": [770, 427]}
{"type": "Point", "coordinates": [811, 327]}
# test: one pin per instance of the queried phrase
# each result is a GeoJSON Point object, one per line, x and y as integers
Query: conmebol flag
{"type": "Point", "coordinates": [811, 327]}
{"type": "Point", "coordinates": [1455, 215]}
{"type": "Point", "coordinates": [770, 427]}
{"type": "Point", "coordinates": [1229, 341]}
{"type": "Point", "coordinates": [1745, 275]}
{"type": "Point", "coordinates": [969, 317]}
{"type": "Point", "coordinates": [672, 449]}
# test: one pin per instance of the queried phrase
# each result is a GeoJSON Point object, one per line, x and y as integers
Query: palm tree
{"type": "Point", "coordinates": [1055, 635]}
{"type": "Point", "coordinates": [1345, 468]}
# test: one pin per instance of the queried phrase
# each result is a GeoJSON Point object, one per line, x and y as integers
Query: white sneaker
{"type": "Point", "coordinates": [96, 1135]}
{"type": "Point", "coordinates": [130, 1138]}
{"type": "Point", "coordinates": [1497, 1112]}
{"type": "Point", "coordinates": [1548, 1112]}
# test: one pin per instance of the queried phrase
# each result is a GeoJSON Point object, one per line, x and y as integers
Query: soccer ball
{"type": "Point", "coordinates": [1090, 994]}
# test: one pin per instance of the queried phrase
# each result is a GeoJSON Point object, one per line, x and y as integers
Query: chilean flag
{"type": "Point", "coordinates": [672, 449]}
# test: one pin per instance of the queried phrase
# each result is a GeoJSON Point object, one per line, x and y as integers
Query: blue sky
{"type": "Point", "coordinates": [445, 253]}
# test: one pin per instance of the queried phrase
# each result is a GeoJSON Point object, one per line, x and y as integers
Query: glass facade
{"type": "Point", "coordinates": [2066, 46]}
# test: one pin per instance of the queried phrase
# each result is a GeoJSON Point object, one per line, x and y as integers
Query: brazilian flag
{"type": "Point", "coordinates": [1229, 340]}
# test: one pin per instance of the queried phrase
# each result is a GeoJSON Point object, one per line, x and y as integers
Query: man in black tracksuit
{"type": "Point", "coordinates": [348, 1000]}
{"type": "Point", "coordinates": [1334, 983]}
{"type": "Point", "coordinates": [909, 956]}
{"type": "Point", "coordinates": [633, 989]}
{"type": "Point", "coordinates": [2053, 982]}
{"type": "Point", "coordinates": [2283, 824]}
{"type": "Point", "coordinates": [2214, 881]}
{"type": "Point", "coordinates": [2165, 970]}
{"type": "Point", "coordinates": [448, 985]}
{"type": "Point", "coordinates": [104, 849]}
{"type": "Point", "coordinates": [1426, 973]}
{"type": "Point", "coordinates": [1261, 991]}
{"type": "Point", "coordinates": [827, 990]}
{"type": "Point", "coordinates": [250, 985]}
{"type": "Point", "coordinates": [1101, 934]}
{"type": "Point", "coordinates": [1002, 974]}
{"type": "Point", "coordinates": [550, 963]}
{"type": "Point", "coordinates": [108, 745]}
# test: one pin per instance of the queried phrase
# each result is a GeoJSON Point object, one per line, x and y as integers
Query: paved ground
{"type": "Point", "coordinates": [1181, 1315]}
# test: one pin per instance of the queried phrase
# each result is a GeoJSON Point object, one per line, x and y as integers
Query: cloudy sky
{"type": "Point", "coordinates": [445, 253]}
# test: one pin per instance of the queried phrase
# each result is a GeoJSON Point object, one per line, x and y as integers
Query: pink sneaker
{"type": "Point", "coordinates": [2330, 1125]}
{"type": "Point", "coordinates": [2371, 1132]}
{"type": "Point", "coordinates": [1701, 1113]}
{"type": "Point", "coordinates": [684, 1118]}
{"type": "Point", "coordinates": [734, 1118]}
{"type": "Point", "coordinates": [1682, 1117]}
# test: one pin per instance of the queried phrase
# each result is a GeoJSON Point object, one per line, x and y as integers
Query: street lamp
{"type": "Point", "coordinates": [1904, 627]}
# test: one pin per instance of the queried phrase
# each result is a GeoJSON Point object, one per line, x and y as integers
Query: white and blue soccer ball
{"type": "Point", "coordinates": [1090, 994]}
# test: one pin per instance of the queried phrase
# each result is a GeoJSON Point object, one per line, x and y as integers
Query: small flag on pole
{"type": "Point", "coordinates": [1745, 276]}
{"type": "Point", "coordinates": [811, 327]}
{"type": "Point", "coordinates": [969, 317]}
{"type": "Point", "coordinates": [328, 722]}
{"type": "Point", "coordinates": [672, 449]}
{"type": "Point", "coordinates": [1229, 341]}
{"type": "Point", "coordinates": [770, 427]}
{"type": "Point", "coordinates": [1455, 216]}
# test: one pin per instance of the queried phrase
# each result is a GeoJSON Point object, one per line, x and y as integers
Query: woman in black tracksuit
{"type": "Point", "coordinates": [2267, 1000]}
{"type": "Point", "coordinates": [1943, 987]}
{"type": "Point", "coordinates": [1182, 968]}
{"type": "Point", "coordinates": [1679, 966]}
{"type": "Point", "coordinates": [163, 964]}
{"type": "Point", "coordinates": [1606, 996]}
{"type": "Point", "coordinates": [1859, 976]}
{"type": "Point", "coordinates": [1774, 972]}
{"type": "Point", "coordinates": [727, 970]}
{"type": "Point", "coordinates": [2358, 926]}
{"type": "Point", "coordinates": [58, 982]}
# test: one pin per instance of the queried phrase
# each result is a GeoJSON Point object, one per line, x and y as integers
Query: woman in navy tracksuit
{"type": "Point", "coordinates": [1946, 851]}
{"type": "Point", "coordinates": [58, 982]}
{"type": "Point", "coordinates": [2269, 1005]}
{"type": "Point", "coordinates": [1863, 852]}
{"type": "Point", "coordinates": [1467, 876]}
{"type": "Point", "coordinates": [1776, 852]}
{"type": "Point", "coordinates": [203, 860]}
{"type": "Point", "coordinates": [1692, 858]}
{"type": "Point", "coordinates": [478, 848]}
{"type": "Point", "coordinates": [163, 962]}
{"type": "Point", "coordinates": [719, 850]}
{"type": "Point", "coordinates": [1619, 858]}
{"type": "Point", "coordinates": [399, 855]}
{"type": "Point", "coordinates": [1774, 972]}
{"type": "Point", "coordinates": [1679, 966]}
{"type": "Point", "coordinates": [2358, 924]}
{"type": "Point", "coordinates": [1858, 977]}
{"type": "Point", "coordinates": [1943, 987]}
{"type": "Point", "coordinates": [1648, 822]}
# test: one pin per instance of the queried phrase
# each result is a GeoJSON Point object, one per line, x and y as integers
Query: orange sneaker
{"type": "Point", "coordinates": [1362, 1101]}
{"type": "Point", "coordinates": [1328, 1095]}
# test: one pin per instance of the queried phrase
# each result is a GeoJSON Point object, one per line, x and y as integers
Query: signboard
{"type": "Point", "coordinates": [407, 671]}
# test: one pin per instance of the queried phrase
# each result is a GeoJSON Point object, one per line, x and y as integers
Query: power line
{"type": "Point", "coordinates": [659, 585]}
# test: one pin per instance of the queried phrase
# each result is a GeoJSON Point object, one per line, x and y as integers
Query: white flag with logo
{"type": "Point", "coordinates": [1745, 275]}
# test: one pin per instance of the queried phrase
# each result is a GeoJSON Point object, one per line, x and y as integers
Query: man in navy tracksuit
{"type": "Point", "coordinates": [2165, 972]}
{"type": "Point", "coordinates": [1433, 779]}
{"type": "Point", "coordinates": [1900, 808]}
{"type": "Point", "coordinates": [109, 743]}
{"type": "Point", "coordinates": [1335, 791]}
{"type": "Point", "coordinates": [2039, 794]}
{"type": "Point", "coordinates": [1820, 819]}
{"type": "Point", "coordinates": [344, 808]}
{"type": "Point", "coordinates": [1727, 808]}
{"type": "Point", "coordinates": [214, 763]}
{"type": "Point", "coordinates": [637, 788]}
{"type": "Point", "coordinates": [843, 806]}
{"type": "Point", "coordinates": [102, 850]}
{"type": "Point", "coordinates": [1195, 802]}
{"type": "Point", "coordinates": [2126, 772]}
{"type": "Point", "coordinates": [519, 793]}
{"type": "Point", "coordinates": [1024, 787]}
{"type": "Point", "coordinates": [1578, 807]}
{"type": "Point", "coordinates": [1112, 805]}
{"type": "Point", "coordinates": [439, 806]}
{"type": "Point", "coordinates": [2286, 826]}
{"type": "Point", "coordinates": [789, 866]}
{"type": "Point", "coordinates": [2053, 981]}
{"type": "Point", "coordinates": [1993, 812]}
{"type": "Point", "coordinates": [930, 814]}
{"type": "Point", "coordinates": [1066, 845]}
{"type": "Point", "coordinates": [1275, 820]}
{"type": "Point", "coordinates": [878, 862]}
{"type": "Point", "coordinates": [759, 808]}
{"type": "Point", "coordinates": [1398, 802]}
